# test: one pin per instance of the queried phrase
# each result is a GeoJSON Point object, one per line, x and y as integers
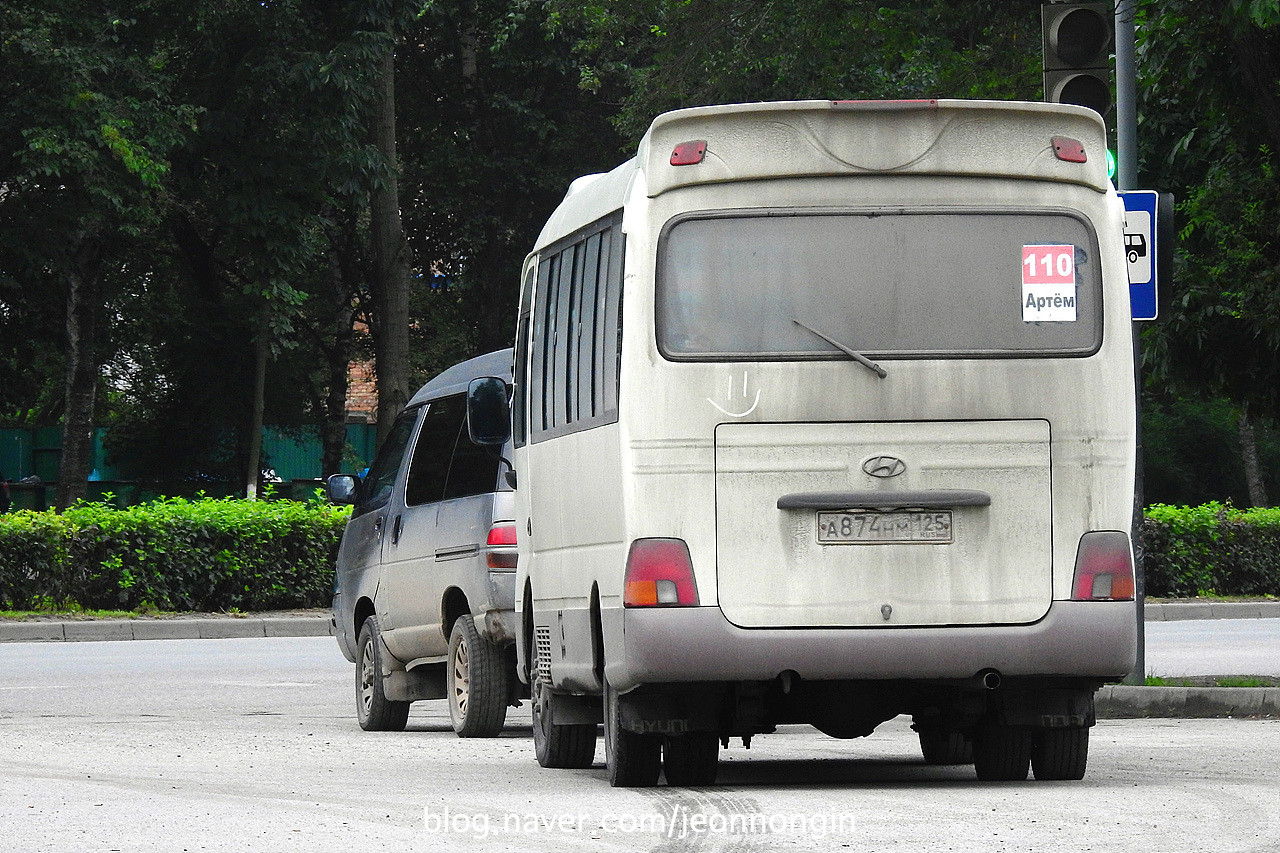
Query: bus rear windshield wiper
{"type": "Point", "coordinates": [853, 354]}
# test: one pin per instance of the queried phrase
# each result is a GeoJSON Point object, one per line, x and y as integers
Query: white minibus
{"type": "Point", "coordinates": [823, 413]}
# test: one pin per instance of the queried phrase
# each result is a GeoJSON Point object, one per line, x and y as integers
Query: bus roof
{"type": "Point", "coordinates": [782, 139]}
{"type": "Point", "coordinates": [934, 137]}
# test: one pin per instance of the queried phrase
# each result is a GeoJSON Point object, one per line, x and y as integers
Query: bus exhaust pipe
{"type": "Point", "coordinates": [990, 679]}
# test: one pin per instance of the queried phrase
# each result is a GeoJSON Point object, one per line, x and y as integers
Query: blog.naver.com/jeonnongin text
{"type": "Point", "coordinates": [676, 822]}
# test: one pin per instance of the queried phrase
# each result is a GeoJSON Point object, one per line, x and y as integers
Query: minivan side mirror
{"type": "Point", "coordinates": [488, 415]}
{"type": "Point", "coordinates": [342, 488]}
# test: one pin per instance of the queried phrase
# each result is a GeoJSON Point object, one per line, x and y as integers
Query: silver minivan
{"type": "Point", "coordinates": [424, 590]}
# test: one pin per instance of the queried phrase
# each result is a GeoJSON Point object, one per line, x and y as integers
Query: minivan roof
{"type": "Point", "coordinates": [454, 380]}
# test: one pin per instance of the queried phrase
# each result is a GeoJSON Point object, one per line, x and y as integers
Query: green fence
{"type": "Point", "coordinates": [292, 454]}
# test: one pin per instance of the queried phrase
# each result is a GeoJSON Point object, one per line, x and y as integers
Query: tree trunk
{"type": "Point", "coordinates": [337, 353]}
{"type": "Point", "coordinates": [390, 285]}
{"type": "Point", "coordinates": [1252, 466]}
{"type": "Point", "coordinates": [253, 465]}
{"type": "Point", "coordinates": [83, 300]}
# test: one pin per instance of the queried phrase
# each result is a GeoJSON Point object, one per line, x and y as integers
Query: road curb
{"type": "Point", "coordinates": [1124, 702]}
{"type": "Point", "coordinates": [1177, 611]}
{"type": "Point", "coordinates": [99, 630]}
{"type": "Point", "coordinates": [317, 625]}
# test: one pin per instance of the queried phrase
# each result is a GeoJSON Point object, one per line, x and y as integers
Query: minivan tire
{"type": "Point", "coordinates": [374, 711]}
{"type": "Point", "coordinates": [476, 678]}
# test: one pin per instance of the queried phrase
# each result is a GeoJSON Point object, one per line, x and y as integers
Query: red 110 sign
{"type": "Point", "coordinates": [1049, 284]}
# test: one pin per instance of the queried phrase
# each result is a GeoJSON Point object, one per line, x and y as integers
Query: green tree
{"type": "Point", "coordinates": [659, 55]}
{"type": "Point", "coordinates": [1209, 101]}
{"type": "Point", "coordinates": [494, 128]}
{"type": "Point", "coordinates": [87, 125]}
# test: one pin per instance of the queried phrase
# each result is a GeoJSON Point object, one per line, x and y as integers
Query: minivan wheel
{"type": "Point", "coordinates": [374, 711]}
{"type": "Point", "coordinates": [571, 746]}
{"type": "Point", "coordinates": [477, 682]}
{"type": "Point", "coordinates": [691, 759]}
{"type": "Point", "coordinates": [633, 761]}
{"type": "Point", "coordinates": [1001, 753]}
{"type": "Point", "coordinates": [1060, 754]}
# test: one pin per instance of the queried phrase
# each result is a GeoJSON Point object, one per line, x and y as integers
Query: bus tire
{"type": "Point", "coordinates": [1001, 753]}
{"type": "Point", "coordinates": [945, 747]}
{"type": "Point", "coordinates": [477, 682]}
{"type": "Point", "coordinates": [691, 760]}
{"type": "Point", "coordinates": [374, 711]}
{"type": "Point", "coordinates": [571, 747]}
{"type": "Point", "coordinates": [1060, 754]}
{"type": "Point", "coordinates": [633, 761]}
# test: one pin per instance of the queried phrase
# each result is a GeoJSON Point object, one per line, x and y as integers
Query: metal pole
{"type": "Point", "coordinates": [1127, 179]}
{"type": "Point", "coordinates": [1126, 98]}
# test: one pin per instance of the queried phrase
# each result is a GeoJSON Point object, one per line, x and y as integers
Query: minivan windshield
{"type": "Point", "coordinates": [900, 284]}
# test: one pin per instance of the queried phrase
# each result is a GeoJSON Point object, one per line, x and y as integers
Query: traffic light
{"type": "Point", "coordinates": [1078, 42]}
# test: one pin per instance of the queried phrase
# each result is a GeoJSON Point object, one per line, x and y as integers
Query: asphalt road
{"type": "Point", "coordinates": [1214, 647]}
{"type": "Point", "coordinates": [252, 745]}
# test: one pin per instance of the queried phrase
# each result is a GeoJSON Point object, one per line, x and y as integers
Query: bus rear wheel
{"type": "Point", "coordinates": [633, 760]}
{"type": "Point", "coordinates": [570, 746]}
{"type": "Point", "coordinates": [1001, 753]}
{"type": "Point", "coordinates": [1060, 754]}
{"type": "Point", "coordinates": [691, 760]}
{"type": "Point", "coordinates": [945, 747]}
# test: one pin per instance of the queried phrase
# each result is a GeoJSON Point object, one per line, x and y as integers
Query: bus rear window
{"type": "Point", "coordinates": [909, 285]}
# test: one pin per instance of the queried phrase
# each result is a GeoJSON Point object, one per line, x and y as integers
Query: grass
{"type": "Point", "coordinates": [75, 613]}
{"type": "Point", "coordinates": [1205, 595]}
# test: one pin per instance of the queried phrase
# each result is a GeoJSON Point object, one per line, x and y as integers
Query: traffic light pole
{"type": "Point", "coordinates": [1126, 98]}
{"type": "Point", "coordinates": [1127, 179]}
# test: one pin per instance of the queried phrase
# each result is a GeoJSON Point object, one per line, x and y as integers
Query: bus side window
{"type": "Point", "coordinates": [574, 346]}
{"type": "Point", "coordinates": [520, 394]}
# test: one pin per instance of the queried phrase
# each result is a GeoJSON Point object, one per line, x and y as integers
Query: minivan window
{"type": "Point", "coordinates": [446, 464]}
{"type": "Point", "coordinates": [429, 470]}
{"type": "Point", "coordinates": [474, 469]}
{"type": "Point", "coordinates": [382, 476]}
{"type": "Point", "coordinates": [907, 284]}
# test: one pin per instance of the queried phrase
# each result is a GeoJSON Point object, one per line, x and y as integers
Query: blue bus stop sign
{"type": "Point", "coordinates": [1140, 251]}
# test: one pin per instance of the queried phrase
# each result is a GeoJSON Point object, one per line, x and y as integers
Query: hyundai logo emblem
{"type": "Point", "coordinates": [884, 466]}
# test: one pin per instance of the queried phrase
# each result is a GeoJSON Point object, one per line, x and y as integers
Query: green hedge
{"type": "Point", "coordinates": [174, 554]}
{"type": "Point", "coordinates": [261, 555]}
{"type": "Point", "coordinates": [1213, 549]}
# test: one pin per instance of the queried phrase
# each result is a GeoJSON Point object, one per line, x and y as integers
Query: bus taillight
{"type": "Point", "coordinates": [1104, 568]}
{"type": "Point", "coordinates": [659, 573]}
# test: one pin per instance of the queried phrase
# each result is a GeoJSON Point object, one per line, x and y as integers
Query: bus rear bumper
{"type": "Point", "coordinates": [1075, 639]}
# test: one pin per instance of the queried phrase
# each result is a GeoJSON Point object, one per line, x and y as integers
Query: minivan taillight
{"type": "Point", "coordinates": [1104, 567]}
{"type": "Point", "coordinates": [659, 573]}
{"type": "Point", "coordinates": [501, 551]}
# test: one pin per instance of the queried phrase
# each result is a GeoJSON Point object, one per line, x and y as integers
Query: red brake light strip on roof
{"type": "Point", "coordinates": [1069, 150]}
{"type": "Point", "coordinates": [689, 153]}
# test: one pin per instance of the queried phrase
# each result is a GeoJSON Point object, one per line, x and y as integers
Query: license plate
{"type": "Point", "coordinates": [884, 528]}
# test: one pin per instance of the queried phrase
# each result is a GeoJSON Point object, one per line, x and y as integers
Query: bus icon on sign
{"type": "Point", "coordinates": [1135, 246]}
